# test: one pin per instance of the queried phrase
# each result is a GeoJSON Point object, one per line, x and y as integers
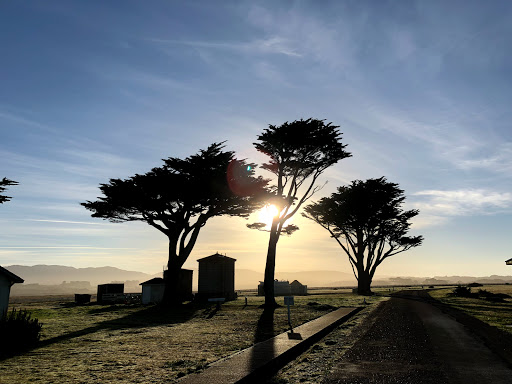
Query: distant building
{"type": "Point", "coordinates": [281, 288]}
{"type": "Point", "coordinates": [284, 288]}
{"type": "Point", "coordinates": [509, 262]}
{"type": "Point", "coordinates": [216, 277]}
{"type": "Point", "coordinates": [108, 292]}
{"type": "Point", "coordinates": [7, 279]}
{"type": "Point", "coordinates": [153, 291]}
{"type": "Point", "coordinates": [298, 289]}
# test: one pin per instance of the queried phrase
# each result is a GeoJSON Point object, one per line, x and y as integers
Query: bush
{"type": "Point", "coordinates": [18, 332]}
{"type": "Point", "coordinates": [496, 297]}
{"type": "Point", "coordinates": [461, 291]}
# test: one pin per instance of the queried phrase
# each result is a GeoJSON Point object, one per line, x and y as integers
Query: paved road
{"type": "Point", "coordinates": [414, 342]}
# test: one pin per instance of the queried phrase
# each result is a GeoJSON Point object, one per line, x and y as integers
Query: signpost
{"type": "Point", "coordinates": [289, 300]}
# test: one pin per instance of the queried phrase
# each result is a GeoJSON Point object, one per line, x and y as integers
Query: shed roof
{"type": "Point", "coordinates": [155, 280]}
{"type": "Point", "coordinates": [11, 276]}
{"type": "Point", "coordinates": [295, 282]}
{"type": "Point", "coordinates": [216, 256]}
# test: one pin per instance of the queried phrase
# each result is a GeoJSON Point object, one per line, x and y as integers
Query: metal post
{"type": "Point", "coordinates": [289, 318]}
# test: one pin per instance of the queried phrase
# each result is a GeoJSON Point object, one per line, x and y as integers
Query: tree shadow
{"type": "Point", "coordinates": [265, 326]}
{"type": "Point", "coordinates": [149, 317]}
{"type": "Point", "coordinates": [263, 352]}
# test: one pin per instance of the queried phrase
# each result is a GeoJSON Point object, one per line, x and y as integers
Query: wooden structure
{"type": "Point", "coordinates": [184, 284]}
{"type": "Point", "coordinates": [298, 289]}
{"type": "Point", "coordinates": [153, 290]}
{"type": "Point", "coordinates": [281, 288]}
{"type": "Point", "coordinates": [109, 292]}
{"type": "Point", "coordinates": [284, 288]}
{"type": "Point", "coordinates": [216, 277]}
{"type": "Point", "coordinates": [7, 279]}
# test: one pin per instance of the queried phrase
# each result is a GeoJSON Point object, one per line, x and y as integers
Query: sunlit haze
{"type": "Point", "coordinates": [96, 90]}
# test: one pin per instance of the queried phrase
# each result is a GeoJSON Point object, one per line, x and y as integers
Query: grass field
{"type": "Point", "coordinates": [143, 344]}
{"type": "Point", "coordinates": [496, 314]}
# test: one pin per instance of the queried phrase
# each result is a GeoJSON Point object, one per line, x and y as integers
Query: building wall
{"type": "Point", "coordinates": [108, 288]}
{"type": "Point", "coordinates": [5, 290]}
{"type": "Point", "coordinates": [217, 278]}
{"type": "Point", "coordinates": [152, 294]}
{"type": "Point", "coordinates": [281, 288]}
{"type": "Point", "coordinates": [298, 289]}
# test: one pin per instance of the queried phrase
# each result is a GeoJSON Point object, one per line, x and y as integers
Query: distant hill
{"type": "Point", "coordinates": [56, 274]}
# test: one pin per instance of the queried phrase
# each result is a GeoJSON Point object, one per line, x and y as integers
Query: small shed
{"type": "Point", "coordinates": [184, 284]}
{"type": "Point", "coordinates": [153, 290]}
{"type": "Point", "coordinates": [7, 279]}
{"type": "Point", "coordinates": [298, 289]}
{"type": "Point", "coordinates": [281, 288]}
{"type": "Point", "coordinates": [508, 262]}
{"type": "Point", "coordinates": [110, 291]}
{"type": "Point", "coordinates": [216, 277]}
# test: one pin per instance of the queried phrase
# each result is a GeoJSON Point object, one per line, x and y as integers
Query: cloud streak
{"type": "Point", "coordinates": [437, 206]}
{"type": "Point", "coordinates": [271, 45]}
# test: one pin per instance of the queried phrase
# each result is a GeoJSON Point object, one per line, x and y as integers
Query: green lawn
{"type": "Point", "coordinates": [143, 344]}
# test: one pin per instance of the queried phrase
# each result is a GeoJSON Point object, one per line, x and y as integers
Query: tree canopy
{"type": "Point", "coordinates": [367, 221]}
{"type": "Point", "coordinates": [179, 197]}
{"type": "Point", "coordinates": [299, 152]}
{"type": "Point", "coordinates": [4, 183]}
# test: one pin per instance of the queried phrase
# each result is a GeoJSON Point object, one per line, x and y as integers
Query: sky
{"type": "Point", "coordinates": [93, 90]}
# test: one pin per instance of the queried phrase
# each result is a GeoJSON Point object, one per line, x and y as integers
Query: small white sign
{"type": "Point", "coordinates": [289, 300]}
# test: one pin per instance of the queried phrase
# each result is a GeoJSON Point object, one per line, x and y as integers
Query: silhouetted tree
{"type": "Point", "coordinates": [179, 198]}
{"type": "Point", "coordinates": [367, 220]}
{"type": "Point", "coordinates": [4, 183]}
{"type": "Point", "coordinates": [299, 153]}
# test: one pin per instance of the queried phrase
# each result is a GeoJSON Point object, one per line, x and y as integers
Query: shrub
{"type": "Point", "coordinates": [496, 297]}
{"type": "Point", "coordinates": [18, 332]}
{"type": "Point", "coordinates": [461, 291]}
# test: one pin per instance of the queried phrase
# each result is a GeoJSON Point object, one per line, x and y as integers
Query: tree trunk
{"type": "Point", "coordinates": [172, 294]}
{"type": "Point", "coordinates": [270, 267]}
{"type": "Point", "coordinates": [364, 283]}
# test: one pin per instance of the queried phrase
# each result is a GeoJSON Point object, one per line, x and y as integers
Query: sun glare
{"type": "Point", "coordinates": [267, 213]}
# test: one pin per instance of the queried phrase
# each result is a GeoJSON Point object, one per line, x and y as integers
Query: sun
{"type": "Point", "coordinates": [267, 214]}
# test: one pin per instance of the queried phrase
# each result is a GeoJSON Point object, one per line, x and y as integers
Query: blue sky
{"type": "Point", "coordinates": [105, 89]}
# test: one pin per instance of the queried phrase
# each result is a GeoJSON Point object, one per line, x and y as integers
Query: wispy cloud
{"type": "Point", "coordinates": [26, 121]}
{"type": "Point", "coordinates": [497, 159]}
{"type": "Point", "coordinates": [271, 45]}
{"type": "Point", "coordinates": [437, 206]}
{"type": "Point", "coordinates": [65, 247]}
{"type": "Point", "coordinates": [66, 222]}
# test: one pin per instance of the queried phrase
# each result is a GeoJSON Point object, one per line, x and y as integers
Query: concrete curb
{"type": "Point", "coordinates": [267, 357]}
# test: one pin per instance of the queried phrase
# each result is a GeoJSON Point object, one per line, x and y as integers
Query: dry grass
{"type": "Point", "coordinates": [496, 314]}
{"type": "Point", "coordinates": [122, 343]}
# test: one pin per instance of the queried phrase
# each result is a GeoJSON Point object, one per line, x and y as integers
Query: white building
{"type": "Point", "coordinates": [153, 291]}
{"type": "Point", "coordinates": [7, 279]}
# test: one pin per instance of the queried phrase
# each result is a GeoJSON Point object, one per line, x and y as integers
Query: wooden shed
{"type": "Point", "coordinates": [7, 279]}
{"type": "Point", "coordinates": [216, 277]}
{"type": "Point", "coordinates": [298, 289]}
{"type": "Point", "coordinates": [153, 290]}
{"type": "Point", "coordinates": [281, 288]}
{"type": "Point", "coordinates": [184, 284]}
{"type": "Point", "coordinates": [109, 292]}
